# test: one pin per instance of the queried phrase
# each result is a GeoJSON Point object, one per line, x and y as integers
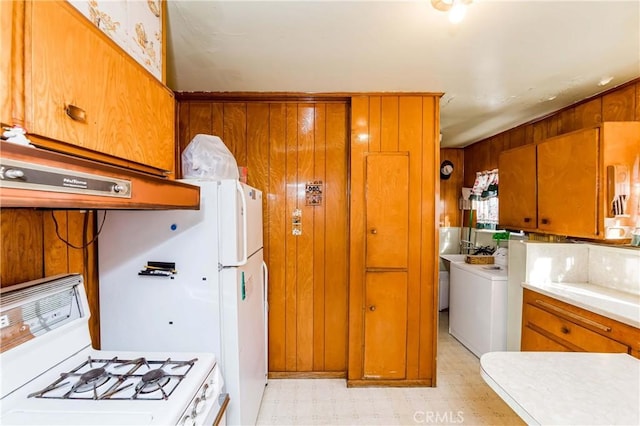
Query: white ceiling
{"type": "Point", "coordinates": [507, 62]}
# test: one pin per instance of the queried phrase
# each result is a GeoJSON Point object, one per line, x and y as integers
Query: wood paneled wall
{"type": "Point", "coordinates": [619, 104]}
{"type": "Point", "coordinates": [286, 144]}
{"type": "Point", "coordinates": [31, 249]}
{"type": "Point", "coordinates": [407, 124]}
{"type": "Point", "coordinates": [450, 189]}
{"type": "Point", "coordinates": [6, 67]}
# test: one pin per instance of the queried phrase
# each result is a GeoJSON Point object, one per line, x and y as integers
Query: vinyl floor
{"type": "Point", "coordinates": [460, 398]}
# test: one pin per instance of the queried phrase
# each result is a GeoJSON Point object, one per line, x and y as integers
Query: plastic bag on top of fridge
{"type": "Point", "coordinates": [207, 157]}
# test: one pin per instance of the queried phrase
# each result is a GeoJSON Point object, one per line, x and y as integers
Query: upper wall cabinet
{"type": "Point", "coordinates": [568, 184]}
{"type": "Point", "coordinates": [518, 204]}
{"type": "Point", "coordinates": [566, 176]}
{"type": "Point", "coordinates": [85, 96]}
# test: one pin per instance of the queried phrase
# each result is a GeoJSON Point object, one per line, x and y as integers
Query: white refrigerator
{"type": "Point", "coordinates": [191, 280]}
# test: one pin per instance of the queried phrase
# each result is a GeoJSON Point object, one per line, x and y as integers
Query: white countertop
{"type": "Point", "coordinates": [566, 388]}
{"type": "Point", "coordinates": [495, 272]}
{"type": "Point", "coordinates": [614, 304]}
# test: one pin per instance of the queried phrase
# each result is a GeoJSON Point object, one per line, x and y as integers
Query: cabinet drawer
{"type": "Point", "coordinates": [569, 333]}
{"type": "Point", "coordinates": [534, 341]}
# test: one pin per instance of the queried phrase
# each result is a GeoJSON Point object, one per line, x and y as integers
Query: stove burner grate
{"type": "Point", "coordinates": [109, 379]}
{"type": "Point", "coordinates": [90, 380]}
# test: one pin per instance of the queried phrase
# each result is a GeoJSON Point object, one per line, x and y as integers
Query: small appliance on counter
{"type": "Point", "coordinates": [52, 376]}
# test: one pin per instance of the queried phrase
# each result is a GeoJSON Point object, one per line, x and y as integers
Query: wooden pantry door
{"type": "Point", "coordinates": [285, 146]}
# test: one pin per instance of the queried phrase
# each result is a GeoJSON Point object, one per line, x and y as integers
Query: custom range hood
{"type": "Point", "coordinates": [33, 177]}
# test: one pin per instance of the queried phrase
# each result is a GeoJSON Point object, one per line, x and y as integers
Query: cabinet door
{"type": "Point", "coordinates": [6, 66]}
{"type": "Point", "coordinates": [137, 118]}
{"type": "Point", "coordinates": [387, 210]}
{"type": "Point", "coordinates": [84, 91]}
{"type": "Point", "coordinates": [385, 325]}
{"type": "Point", "coordinates": [65, 77]}
{"type": "Point", "coordinates": [567, 184]}
{"type": "Point", "coordinates": [517, 168]}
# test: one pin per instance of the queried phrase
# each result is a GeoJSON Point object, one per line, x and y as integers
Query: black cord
{"type": "Point", "coordinates": [85, 250]}
{"type": "Point", "coordinates": [85, 244]}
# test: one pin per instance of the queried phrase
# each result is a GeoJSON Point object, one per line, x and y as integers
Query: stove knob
{"type": "Point", "coordinates": [188, 421]}
{"type": "Point", "coordinates": [14, 173]}
{"type": "Point", "coordinates": [197, 407]}
{"type": "Point", "coordinates": [205, 392]}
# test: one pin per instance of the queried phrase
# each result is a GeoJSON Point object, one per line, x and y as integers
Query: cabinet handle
{"type": "Point", "coordinates": [374, 231]}
{"type": "Point", "coordinates": [76, 113]}
{"type": "Point", "coordinates": [527, 219]}
{"type": "Point", "coordinates": [571, 315]}
{"type": "Point", "coordinates": [564, 330]}
{"type": "Point", "coordinates": [545, 221]}
{"type": "Point", "coordinates": [372, 308]}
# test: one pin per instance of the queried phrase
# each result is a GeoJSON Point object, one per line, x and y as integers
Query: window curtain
{"type": "Point", "coordinates": [484, 196]}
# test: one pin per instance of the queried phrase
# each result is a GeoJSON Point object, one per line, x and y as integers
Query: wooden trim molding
{"type": "Point", "coordinates": [389, 383]}
{"type": "Point", "coordinates": [307, 375]}
{"type": "Point", "coordinates": [296, 97]}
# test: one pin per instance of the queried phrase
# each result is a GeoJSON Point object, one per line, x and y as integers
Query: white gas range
{"type": "Point", "coordinates": [52, 375]}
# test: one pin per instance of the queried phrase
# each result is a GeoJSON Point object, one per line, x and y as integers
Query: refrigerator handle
{"type": "Point", "coordinates": [265, 286]}
{"type": "Point", "coordinates": [245, 230]}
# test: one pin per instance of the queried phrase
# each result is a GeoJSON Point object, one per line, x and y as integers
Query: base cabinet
{"type": "Point", "coordinates": [551, 325]}
{"type": "Point", "coordinates": [385, 325]}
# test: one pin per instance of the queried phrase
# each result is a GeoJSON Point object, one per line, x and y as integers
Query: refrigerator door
{"type": "Point", "coordinates": [243, 352]}
{"type": "Point", "coordinates": [241, 226]}
{"type": "Point", "coordinates": [160, 312]}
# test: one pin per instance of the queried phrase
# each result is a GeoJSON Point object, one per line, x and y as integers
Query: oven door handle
{"type": "Point", "coordinates": [223, 400]}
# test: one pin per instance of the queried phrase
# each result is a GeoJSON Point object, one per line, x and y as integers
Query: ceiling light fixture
{"type": "Point", "coordinates": [456, 8]}
{"type": "Point", "coordinates": [605, 80]}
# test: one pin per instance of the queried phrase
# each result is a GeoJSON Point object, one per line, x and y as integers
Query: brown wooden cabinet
{"type": "Point", "coordinates": [551, 325]}
{"type": "Point", "coordinates": [82, 94]}
{"type": "Point", "coordinates": [568, 184]}
{"type": "Point", "coordinates": [518, 204]}
{"type": "Point", "coordinates": [558, 186]}
{"type": "Point", "coordinates": [6, 36]}
{"type": "Point", "coordinates": [393, 236]}
{"type": "Point", "coordinates": [387, 210]}
{"type": "Point", "coordinates": [386, 248]}
{"type": "Point", "coordinates": [385, 325]}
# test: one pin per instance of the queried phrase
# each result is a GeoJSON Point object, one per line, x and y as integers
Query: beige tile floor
{"type": "Point", "coordinates": [461, 397]}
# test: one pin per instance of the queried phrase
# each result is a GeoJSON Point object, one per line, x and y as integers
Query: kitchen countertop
{"type": "Point", "coordinates": [569, 388]}
{"type": "Point", "coordinates": [614, 304]}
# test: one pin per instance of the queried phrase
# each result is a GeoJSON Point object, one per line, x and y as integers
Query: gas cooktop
{"type": "Point", "coordinates": [51, 375]}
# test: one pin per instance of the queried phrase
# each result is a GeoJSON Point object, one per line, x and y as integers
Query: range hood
{"type": "Point", "coordinates": [33, 177]}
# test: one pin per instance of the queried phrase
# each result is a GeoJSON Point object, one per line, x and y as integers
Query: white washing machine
{"type": "Point", "coordinates": [478, 306]}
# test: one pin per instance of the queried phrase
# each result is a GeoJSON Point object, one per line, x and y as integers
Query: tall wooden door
{"type": "Point", "coordinates": [296, 153]}
{"type": "Point", "coordinates": [394, 157]}
{"type": "Point", "coordinates": [386, 251]}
